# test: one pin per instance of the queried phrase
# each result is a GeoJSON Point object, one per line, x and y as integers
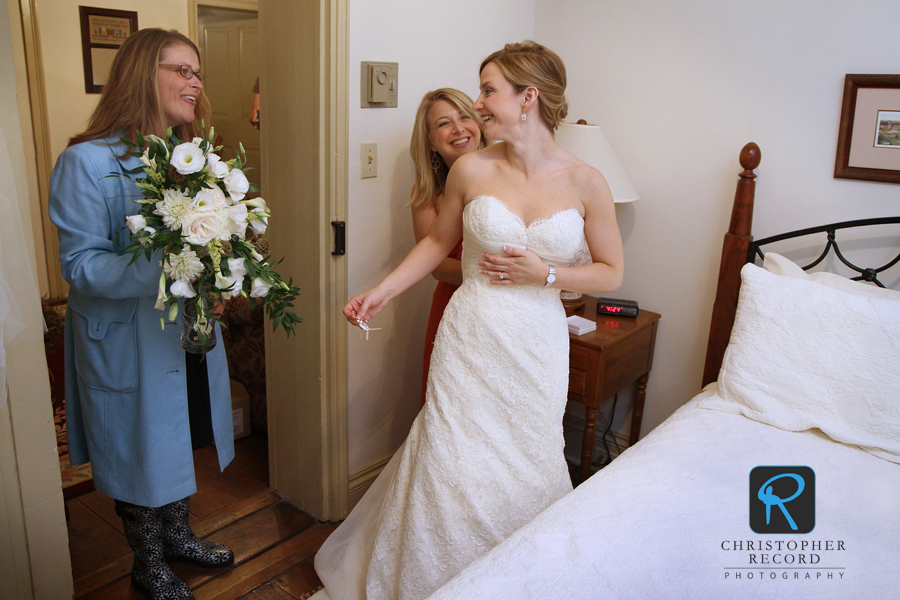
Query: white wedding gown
{"type": "Point", "coordinates": [485, 454]}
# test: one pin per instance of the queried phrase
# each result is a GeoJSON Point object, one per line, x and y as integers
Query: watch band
{"type": "Point", "coordinates": [551, 276]}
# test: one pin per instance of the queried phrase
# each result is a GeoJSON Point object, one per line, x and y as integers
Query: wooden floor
{"type": "Point", "coordinates": [273, 542]}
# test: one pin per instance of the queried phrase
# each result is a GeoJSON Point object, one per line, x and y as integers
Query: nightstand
{"type": "Point", "coordinates": [602, 362]}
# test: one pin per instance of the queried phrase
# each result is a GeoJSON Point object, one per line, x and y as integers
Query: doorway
{"type": "Point", "coordinates": [228, 39]}
{"type": "Point", "coordinates": [310, 465]}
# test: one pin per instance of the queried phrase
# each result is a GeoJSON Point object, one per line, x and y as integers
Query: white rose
{"type": "Point", "coordinates": [236, 183]}
{"type": "Point", "coordinates": [237, 217]}
{"type": "Point", "coordinates": [201, 226]}
{"type": "Point", "coordinates": [213, 196]}
{"type": "Point", "coordinates": [216, 166]}
{"type": "Point", "coordinates": [136, 223]}
{"type": "Point", "coordinates": [258, 220]}
{"type": "Point", "coordinates": [259, 288]}
{"type": "Point", "coordinates": [187, 158]}
{"type": "Point", "coordinates": [182, 289]}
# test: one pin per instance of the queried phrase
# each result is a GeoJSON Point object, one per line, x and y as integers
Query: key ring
{"type": "Point", "coordinates": [364, 325]}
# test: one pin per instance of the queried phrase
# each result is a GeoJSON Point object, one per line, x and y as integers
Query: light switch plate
{"type": "Point", "coordinates": [378, 85]}
{"type": "Point", "coordinates": [368, 160]}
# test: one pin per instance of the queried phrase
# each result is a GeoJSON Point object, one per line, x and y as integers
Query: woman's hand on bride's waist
{"type": "Point", "coordinates": [519, 267]}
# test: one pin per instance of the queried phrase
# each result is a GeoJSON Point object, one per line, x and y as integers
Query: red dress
{"type": "Point", "coordinates": [439, 301]}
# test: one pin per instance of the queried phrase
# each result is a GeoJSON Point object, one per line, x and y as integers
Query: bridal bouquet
{"type": "Point", "coordinates": [195, 216]}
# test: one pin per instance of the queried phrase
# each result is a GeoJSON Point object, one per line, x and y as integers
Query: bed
{"type": "Point", "coordinates": [802, 371]}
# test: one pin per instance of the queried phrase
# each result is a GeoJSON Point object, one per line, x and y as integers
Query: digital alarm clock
{"type": "Point", "coordinates": [617, 308]}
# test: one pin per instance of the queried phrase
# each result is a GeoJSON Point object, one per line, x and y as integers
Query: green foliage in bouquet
{"type": "Point", "coordinates": [194, 216]}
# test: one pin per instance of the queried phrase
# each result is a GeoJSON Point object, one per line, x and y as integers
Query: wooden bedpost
{"type": "Point", "coordinates": [735, 251]}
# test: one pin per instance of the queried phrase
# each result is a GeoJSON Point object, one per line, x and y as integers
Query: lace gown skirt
{"type": "Point", "coordinates": [485, 454]}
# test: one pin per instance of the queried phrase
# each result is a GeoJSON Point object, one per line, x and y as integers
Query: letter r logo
{"type": "Point", "coordinates": [782, 499]}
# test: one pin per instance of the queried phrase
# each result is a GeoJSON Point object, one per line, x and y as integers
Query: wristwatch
{"type": "Point", "coordinates": [551, 276]}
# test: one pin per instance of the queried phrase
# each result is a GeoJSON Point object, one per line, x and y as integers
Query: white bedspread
{"type": "Point", "coordinates": [661, 521]}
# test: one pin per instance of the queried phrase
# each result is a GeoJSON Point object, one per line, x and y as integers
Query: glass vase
{"type": "Point", "coordinates": [192, 339]}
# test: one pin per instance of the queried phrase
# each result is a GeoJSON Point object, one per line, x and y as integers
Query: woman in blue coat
{"type": "Point", "coordinates": [136, 403]}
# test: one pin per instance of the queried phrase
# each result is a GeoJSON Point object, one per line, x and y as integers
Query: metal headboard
{"type": "Point", "coordinates": [869, 274]}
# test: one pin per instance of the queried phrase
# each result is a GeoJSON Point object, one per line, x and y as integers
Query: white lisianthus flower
{"type": "Point", "coordinates": [187, 158]}
{"type": "Point", "coordinates": [259, 288]}
{"type": "Point", "coordinates": [237, 266]}
{"type": "Point", "coordinates": [213, 196]}
{"type": "Point", "coordinates": [236, 183]}
{"type": "Point", "coordinates": [184, 267]}
{"type": "Point", "coordinates": [202, 225]}
{"type": "Point", "coordinates": [232, 283]}
{"type": "Point", "coordinates": [237, 218]}
{"type": "Point", "coordinates": [228, 285]}
{"type": "Point", "coordinates": [182, 289]}
{"type": "Point", "coordinates": [259, 220]}
{"type": "Point", "coordinates": [216, 166]}
{"type": "Point", "coordinates": [136, 223]}
{"type": "Point", "coordinates": [174, 208]}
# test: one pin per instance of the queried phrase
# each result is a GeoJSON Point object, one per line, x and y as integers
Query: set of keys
{"type": "Point", "coordinates": [365, 327]}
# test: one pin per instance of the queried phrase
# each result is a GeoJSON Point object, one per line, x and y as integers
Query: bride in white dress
{"type": "Point", "coordinates": [485, 455]}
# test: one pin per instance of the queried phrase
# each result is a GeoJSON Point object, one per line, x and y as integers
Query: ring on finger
{"type": "Point", "coordinates": [502, 274]}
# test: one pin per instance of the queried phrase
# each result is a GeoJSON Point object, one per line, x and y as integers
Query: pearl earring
{"type": "Point", "coordinates": [524, 116]}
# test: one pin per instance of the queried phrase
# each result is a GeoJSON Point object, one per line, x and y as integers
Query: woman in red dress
{"type": "Point", "coordinates": [446, 128]}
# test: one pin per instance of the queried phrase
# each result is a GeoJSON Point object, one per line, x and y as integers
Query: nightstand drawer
{"type": "Point", "coordinates": [577, 386]}
{"type": "Point", "coordinates": [579, 359]}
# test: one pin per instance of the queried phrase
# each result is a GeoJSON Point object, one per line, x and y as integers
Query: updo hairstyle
{"type": "Point", "coordinates": [531, 64]}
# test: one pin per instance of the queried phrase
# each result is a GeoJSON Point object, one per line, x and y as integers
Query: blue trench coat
{"type": "Point", "coordinates": [126, 393]}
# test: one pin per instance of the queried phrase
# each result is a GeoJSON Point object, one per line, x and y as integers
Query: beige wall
{"type": "Point", "coordinates": [679, 88]}
{"type": "Point", "coordinates": [68, 106]}
{"type": "Point", "coordinates": [436, 45]}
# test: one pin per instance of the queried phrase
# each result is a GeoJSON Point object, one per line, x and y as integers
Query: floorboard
{"type": "Point", "coordinates": [274, 543]}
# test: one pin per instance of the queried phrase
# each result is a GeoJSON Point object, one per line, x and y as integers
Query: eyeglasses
{"type": "Point", "coordinates": [185, 71]}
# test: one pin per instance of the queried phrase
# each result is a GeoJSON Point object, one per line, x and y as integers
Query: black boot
{"type": "Point", "coordinates": [180, 543]}
{"type": "Point", "coordinates": [150, 573]}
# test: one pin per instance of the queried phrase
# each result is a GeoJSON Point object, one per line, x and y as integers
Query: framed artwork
{"type": "Point", "coordinates": [869, 135]}
{"type": "Point", "coordinates": [103, 30]}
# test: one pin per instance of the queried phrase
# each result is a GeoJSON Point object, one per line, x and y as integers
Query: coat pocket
{"type": "Point", "coordinates": [105, 341]}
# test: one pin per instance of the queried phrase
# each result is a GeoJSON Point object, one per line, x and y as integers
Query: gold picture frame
{"type": "Point", "coordinates": [871, 108]}
{"type": "Point", "coordinates": [103, 30]}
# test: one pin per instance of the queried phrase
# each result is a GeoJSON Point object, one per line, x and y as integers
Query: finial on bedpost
{"type": "Point", "coordinates": [735, 252]}
{"type": "Point", "coordinates": [750, 157]}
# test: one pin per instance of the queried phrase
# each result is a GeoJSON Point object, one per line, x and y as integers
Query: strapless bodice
{"type": "Point", "coordinates": [488, 225]}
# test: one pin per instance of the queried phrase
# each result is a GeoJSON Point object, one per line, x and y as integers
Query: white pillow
{"type": "Point", "coordinates": [805, 355]}
{"type": "Point", "coordinates": [779, 265]}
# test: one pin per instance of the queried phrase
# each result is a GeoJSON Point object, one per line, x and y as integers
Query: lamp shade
{"type": "Point", "coordinates": [588, 143]}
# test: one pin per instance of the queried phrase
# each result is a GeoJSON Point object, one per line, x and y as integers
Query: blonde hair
{"type": "Point", "coordinates": [130, 98]}
{"type": "Point", "coordinates": [429, 182]}
{"type": "Point", "coordinates": [531, 64]}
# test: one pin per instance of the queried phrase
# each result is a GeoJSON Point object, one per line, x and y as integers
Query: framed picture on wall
{"type": "Point", "coordinates": [869, 135]}
{"type": "Point", "coordinates": [103, 30]}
